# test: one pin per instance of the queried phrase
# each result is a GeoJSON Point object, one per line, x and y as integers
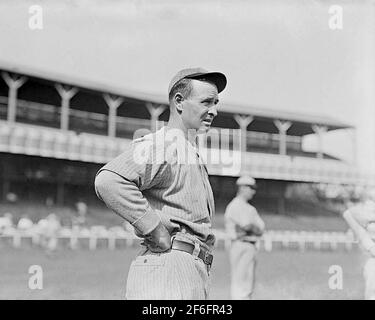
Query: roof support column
{"type": "Point", "coordinates": [14, 83]}
{"type": "Point", "coordinates": [60, 191]}
{"type": "Point", "coordinates": [283, 127]}
{"type": "Point", "coordinates": [5, 184]}
{"type": "Point", "coordinates": [66, 93]}
{"type": "Point", "coordinates": [243, 121]}
{"type": "Point", "coordinates": [320, 131]}
{"type": "Point", "coordinates": [113, 103]}
{"type": "Point", "coordinates": [155, 111]}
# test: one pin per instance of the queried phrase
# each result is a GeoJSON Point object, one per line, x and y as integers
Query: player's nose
{"type": "Point", "coordinates": [213, 111]}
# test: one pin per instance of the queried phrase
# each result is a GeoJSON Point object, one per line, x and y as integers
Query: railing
{"type": "Point", "coordinates": [279, 167]}
{"type": "Point", "coordinates": [55, 143]}
{"type": "Point", "coordinates": [298, 168]}
{"type": "Point", "coordinates": [51, 142]}
{"type": "Point", "coordinates": [84, 121]}
{"type": "Point", "coordinates": [79, 121]}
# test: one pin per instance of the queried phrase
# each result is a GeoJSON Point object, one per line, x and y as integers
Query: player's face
{"type": "Point", "coordinates": [250, 192]}
{"type": "Point", "coordinates": [247, 191]}
{"type": "Point", "coordinates": [200, 108]}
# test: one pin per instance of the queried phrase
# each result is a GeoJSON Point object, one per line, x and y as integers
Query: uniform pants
{"type": "Point", "coordinates": [242, 261]}
{"type": "Point", "coordinates": [173, 275]}
{"type": "Point", "coordinates": [369, 275]}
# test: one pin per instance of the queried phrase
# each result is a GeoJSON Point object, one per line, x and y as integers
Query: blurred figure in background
{"type": "Point", "coordinates": [24, 223]}
{"type": "Point", "coordinates": [49, 230]}
{"type": "Point", "coordinates": [81, 207]}
{"type": "Point", "coordinates": [6, 222]}
{"type": "Point", "coordinates": [361, 219]}
{"type": "Point", "coordinates": [80, 219]}
{"type": "Point", "coordinates": [244, 226]}
{"type": "Point", "coordinates": [49, 201]}
{"type": "Point", "coordinates": [11, 197]}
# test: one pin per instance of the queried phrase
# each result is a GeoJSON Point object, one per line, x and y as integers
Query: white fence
{"type": "Point", "coordinates": [99, 236]}
{"type": "Point", "coordinates": [304, 239]}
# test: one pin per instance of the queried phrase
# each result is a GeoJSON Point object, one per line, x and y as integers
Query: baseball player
{"type": "Point", "coordinates": [244, 226]}
{"type": "Point", "coordinates": [361, 219]}
{"type": "Point", "coordinates": [161, 187]}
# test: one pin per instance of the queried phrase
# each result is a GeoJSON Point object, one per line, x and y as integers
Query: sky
{"type": "Point", "coordinates": [278, 54]}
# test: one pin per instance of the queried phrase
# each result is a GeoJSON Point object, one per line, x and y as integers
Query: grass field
{"type": "Point", "coordinates": [101, 274]}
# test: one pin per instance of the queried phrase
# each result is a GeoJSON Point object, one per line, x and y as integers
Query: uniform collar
{"type": "Point", "coordinates": [173, 133]}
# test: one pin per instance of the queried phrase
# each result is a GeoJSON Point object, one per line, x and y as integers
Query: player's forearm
{"type": "Point", "coordinates": [361, 233]}
{"type": "Point", "coordinates": [126, 200]}
{"type": "Point", "coordinates": [362, 214]}
{"type": "Point", "coordinates": [358, 230]}
{"type": "Point", "coordinates": [254, 229]}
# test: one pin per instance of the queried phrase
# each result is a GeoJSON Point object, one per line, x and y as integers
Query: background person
{"type": "Point", "coordinates": [361, 220]}
{"type": "Point", "coordinates": [25, 223]}
{"type": "Point", "coordinates": [48, 229]}
{"type": "Point", "coordinates": [244, 226]}
{"type": "Point", "coordinates": [6, 222]}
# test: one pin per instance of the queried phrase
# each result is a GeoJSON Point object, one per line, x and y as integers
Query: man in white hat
{"type": "Point", "coordinates": [361, 219]}
{"type": "Point", "coordinates": [244, 227]}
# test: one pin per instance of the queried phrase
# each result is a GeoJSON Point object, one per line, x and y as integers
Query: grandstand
{"type": "Point", "coordinates": [56, 131]}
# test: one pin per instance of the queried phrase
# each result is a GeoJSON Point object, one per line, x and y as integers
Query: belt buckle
{"type": "Point", "coordinates": [208, 258]}
{"type": "Point", "coordinates": [196, 250]}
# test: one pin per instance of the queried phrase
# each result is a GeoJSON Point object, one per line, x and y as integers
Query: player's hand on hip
{"type": "Point", "coordinates": [159, 239]}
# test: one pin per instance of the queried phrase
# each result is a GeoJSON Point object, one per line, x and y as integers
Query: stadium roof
{"type": "Point", "coordinates": [102, 87]}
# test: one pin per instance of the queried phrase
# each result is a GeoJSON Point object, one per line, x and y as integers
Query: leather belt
{"type": "Point", "coordinates": [203, 253]}
{"type": "Point", "coordinates": [248, 241]}
{"type": "Point", "coordinates": [245, 240]}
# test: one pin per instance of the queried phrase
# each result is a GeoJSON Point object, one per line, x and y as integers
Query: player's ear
{"type": "Point", "coordinates": [178, 102]}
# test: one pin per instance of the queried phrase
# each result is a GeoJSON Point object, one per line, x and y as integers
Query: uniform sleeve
{"type": "Point", "coordinates": [233, 214]}
{"type": "Point", "coordinates": [363, 214]}
{"type": "Point", "coordinates": [120, 184]}
{"type": "Point", "coordinates": [245, 216]}
{"type": "Point", "coordinates": [230, 222]}
{"type": "Point", "coordinates": [255, 221]}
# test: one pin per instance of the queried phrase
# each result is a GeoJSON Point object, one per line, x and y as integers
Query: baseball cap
{"type": "Point", "coordinates": [246, 180]}
{"type": "Point", "coordinates": [217, 78]}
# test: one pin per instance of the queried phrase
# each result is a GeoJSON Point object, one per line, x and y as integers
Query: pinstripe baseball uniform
{"type": "Point", "coordinates": [162, 178]}
{"type": "Point", "coordinates": [238, 215]}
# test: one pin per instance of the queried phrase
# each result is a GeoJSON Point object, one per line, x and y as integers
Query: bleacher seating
{"type": "Point", "coordinates": [49, 142]}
